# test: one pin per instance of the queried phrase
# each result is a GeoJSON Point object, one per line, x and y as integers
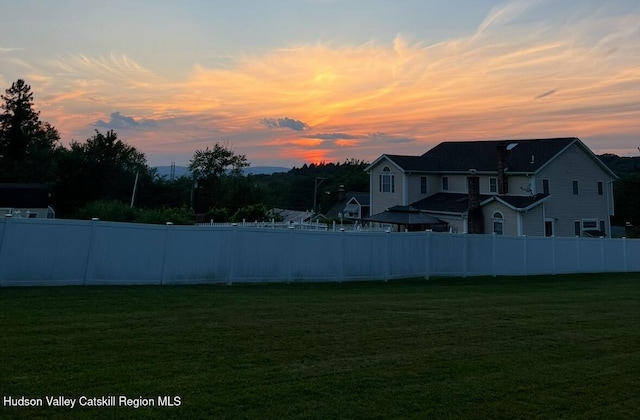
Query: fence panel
{"type": "Point", "coordinates": [312, 256]}
{"type": "Point", "coordinates": [614, 257]}
{"type": "Point", "coordinates": [510, 259]}
{"type": "Point", "coordinates": [407, 253]}
{"type": "Point", "coordinates": [57, 252]}
{"type": "Point", "coordinates": [590, 255]}
{"type": "Point", "coordinates": [539, 254]}
{"type": "Point", "coordinates": [260, 255]}
{"type": "Point", "coordinates": [126, 253]}
{"type": "Point", "coordinates": [479, 255]}
{"type": "Point", "coordinates": [446, 254]}
{"type": "Point", "coordinates": [197, 255]}
{"type": "Point", "coordinates": [38, 252]}
{"type": "Point", "coordinates": [632, 253]}
{"type": "Point", "coordinates": [365, 256]}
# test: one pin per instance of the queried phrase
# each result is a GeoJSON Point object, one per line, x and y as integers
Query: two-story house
{"type": "Point", "coordinates": [508, 187]}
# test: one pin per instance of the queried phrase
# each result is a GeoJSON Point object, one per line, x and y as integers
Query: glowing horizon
{"type": "Point", "coordinates": [523, 71]}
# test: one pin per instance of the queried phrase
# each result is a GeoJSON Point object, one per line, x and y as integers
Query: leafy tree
{"type": "Point", "coordinates": [210, 169]}
{"type": "Point", "coordinates": [102, 168]}
{"type": "Point", "coordinates": [27, 145]}
{"type": "Point", "coordinates": [213, 163]}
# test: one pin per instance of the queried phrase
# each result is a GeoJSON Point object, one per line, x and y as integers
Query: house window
{"type": "Point", "coordinates": [545, 186]}
{"type": "Point", "coordinates": [386, 180]}
{"type": "Point", "coordinates": [589, 224]}
{"type": "Point", "coordinates": [498, 223]}
{"type": "Point", "coordinates": [445, 183]}
{"type": "Point", "coordinates": [493, 185]}
{"type": "Point", "coordinates": [600, 188]}
{"type": "Point", "coordinates": [423, 185]}
{"type": "Point", "coordinates": [576, 227]}
{"type": "Point", "coordinates": [575, 187]}
{"type": "Point", "coordinates": [602, 226]}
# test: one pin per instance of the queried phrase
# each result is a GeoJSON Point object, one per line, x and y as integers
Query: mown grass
{"type": "Point", "coordinates": [536, 347]}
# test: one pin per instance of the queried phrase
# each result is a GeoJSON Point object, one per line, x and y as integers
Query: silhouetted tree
{"type": "Point", "coordinates": [27, 145]}
{"type": "Point", "coordinates": [102, 168]}
{"type": "Point", "coordinates": [210, 167]}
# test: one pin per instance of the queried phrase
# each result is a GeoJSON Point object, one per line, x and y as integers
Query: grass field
{"type": "Point", "coordinates": [546, 347]}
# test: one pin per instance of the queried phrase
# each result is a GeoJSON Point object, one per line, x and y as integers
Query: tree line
{"type": "Point", "coordinates": [97, 177]}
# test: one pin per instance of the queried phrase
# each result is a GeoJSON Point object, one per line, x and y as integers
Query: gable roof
{"type": "Point", "coordinates": [518, 202]}
{"type": "Point", "coordinates": [363, 198]}
{"type": "Point", "coordinates": [404, 215]}
{"type": "Point", "coordinates": [459, 203]}
{"type": "Point", "coordinates": [523, 156]}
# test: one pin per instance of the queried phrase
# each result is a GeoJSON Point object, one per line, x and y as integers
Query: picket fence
{"type": "Point", "coordinates": [72, 252]}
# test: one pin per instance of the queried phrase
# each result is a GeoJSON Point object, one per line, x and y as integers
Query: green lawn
{"type": "Point", "coordinates": [547, 347]}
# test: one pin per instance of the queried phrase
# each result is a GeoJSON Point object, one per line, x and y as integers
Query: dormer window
{"type": "Point", "coordinates": [387, 182]}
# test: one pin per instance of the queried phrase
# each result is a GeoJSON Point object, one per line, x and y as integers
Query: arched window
{"type": "Point", "coordinates": [498, 223]}
{"type": "Point", "coordinates": [387, 183]}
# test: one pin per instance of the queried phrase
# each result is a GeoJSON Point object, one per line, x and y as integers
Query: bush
{"type": "Point", "coordinates": [251, 213]}
{"type": "Point", "coordinates": [178, 216]}
{"type": "Point", "coordinates": [109, 210]}
{"type": "Point", "coordinates": [218, 215]}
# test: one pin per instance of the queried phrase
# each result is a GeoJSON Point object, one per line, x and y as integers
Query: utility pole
{"type": "Point", "coordinates": [315, 192]}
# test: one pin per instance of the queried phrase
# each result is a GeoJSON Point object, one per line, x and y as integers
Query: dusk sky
{"type": "Point", "coordinates": [293, 81]}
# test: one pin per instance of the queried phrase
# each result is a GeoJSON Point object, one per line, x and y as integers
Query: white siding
{"type": "Point", "coordinates": [380, 201]}
{"type": "Point", "coordinates": [565, 207]}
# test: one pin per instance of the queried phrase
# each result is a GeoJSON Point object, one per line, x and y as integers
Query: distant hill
{"type": "Point", "coordinates": [257, 170]}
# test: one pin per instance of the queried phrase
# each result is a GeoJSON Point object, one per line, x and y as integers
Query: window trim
{"type": "Point", "coordinates": [498, 220]}
{"type": "Point", "coordinates": [445, 183]}
{"type": "Point", "coordinates": [493, 185]}
{"type": "Point", "coordinates": [546, 186]}
{"type": "Point", "coordinates": [423, 185]}
{"type": "Point", "coordinates": [575, 187]}
{"type": "Point", "coordinates": [385, 180]}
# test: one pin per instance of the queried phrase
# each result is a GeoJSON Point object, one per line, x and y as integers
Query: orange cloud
{"type": "Point", "coordinates": [508, 79]}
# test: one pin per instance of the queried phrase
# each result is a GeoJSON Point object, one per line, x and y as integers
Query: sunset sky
{"type": "Point", "coordinates": [293, 81]}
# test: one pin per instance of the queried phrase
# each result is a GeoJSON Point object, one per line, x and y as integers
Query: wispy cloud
{"type": "Point", "coordinates": [400, 96]}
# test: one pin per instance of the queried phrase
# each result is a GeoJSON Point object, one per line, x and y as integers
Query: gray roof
{"type": "Point", "coordinates": [404, 215]}
{"type": "Point", "coordinates": [362, 197]}
{"type": "Point", "coordinates": [460, 156]}
{"type": "Point", "coordinates": [459, 203]}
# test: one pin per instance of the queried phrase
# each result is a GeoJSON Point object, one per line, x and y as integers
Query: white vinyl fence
{"type": "Point", "coordinates": [72, 252]}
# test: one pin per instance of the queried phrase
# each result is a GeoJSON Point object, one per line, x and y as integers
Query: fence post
{"type": "Point", "coordinates": [343, 261]}
{"type": "Point", "coordinates": [464, 255]}
{"type": "Point", "coordinates": [624, 253]}
{"type": "Point", "coordinates": [89, 261]}
{"type": "Point", "coordinates": [577, 254]}
{"type": "Point", "coordinates": [234, 245]}
{"type": "Point", "coordinates": [288, 259]}
{"type": "Point", "coordinates": [494, 257]}
{"type": "Point", "coordinates": [553, 255]}
{"type": "Point", "coordinates": [164, 253]}
{"type": "Point", "coordinates": [387, 270]}
{"type": "Point", "coordinates": [524, 250]}
{"type": "Point", "coordinates": [427, 259]}
{"type": "Point", "coordinates": [7, 223]}
{"type": "Point", "coordinates": [604, 265]}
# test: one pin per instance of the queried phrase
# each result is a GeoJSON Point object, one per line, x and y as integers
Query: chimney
{"type": "Point", "coordinates": [501, 164]}
{"type": "Point", "coordinates": [341, 193]}
{"type": "Point", "coordinates": [475, 223]}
